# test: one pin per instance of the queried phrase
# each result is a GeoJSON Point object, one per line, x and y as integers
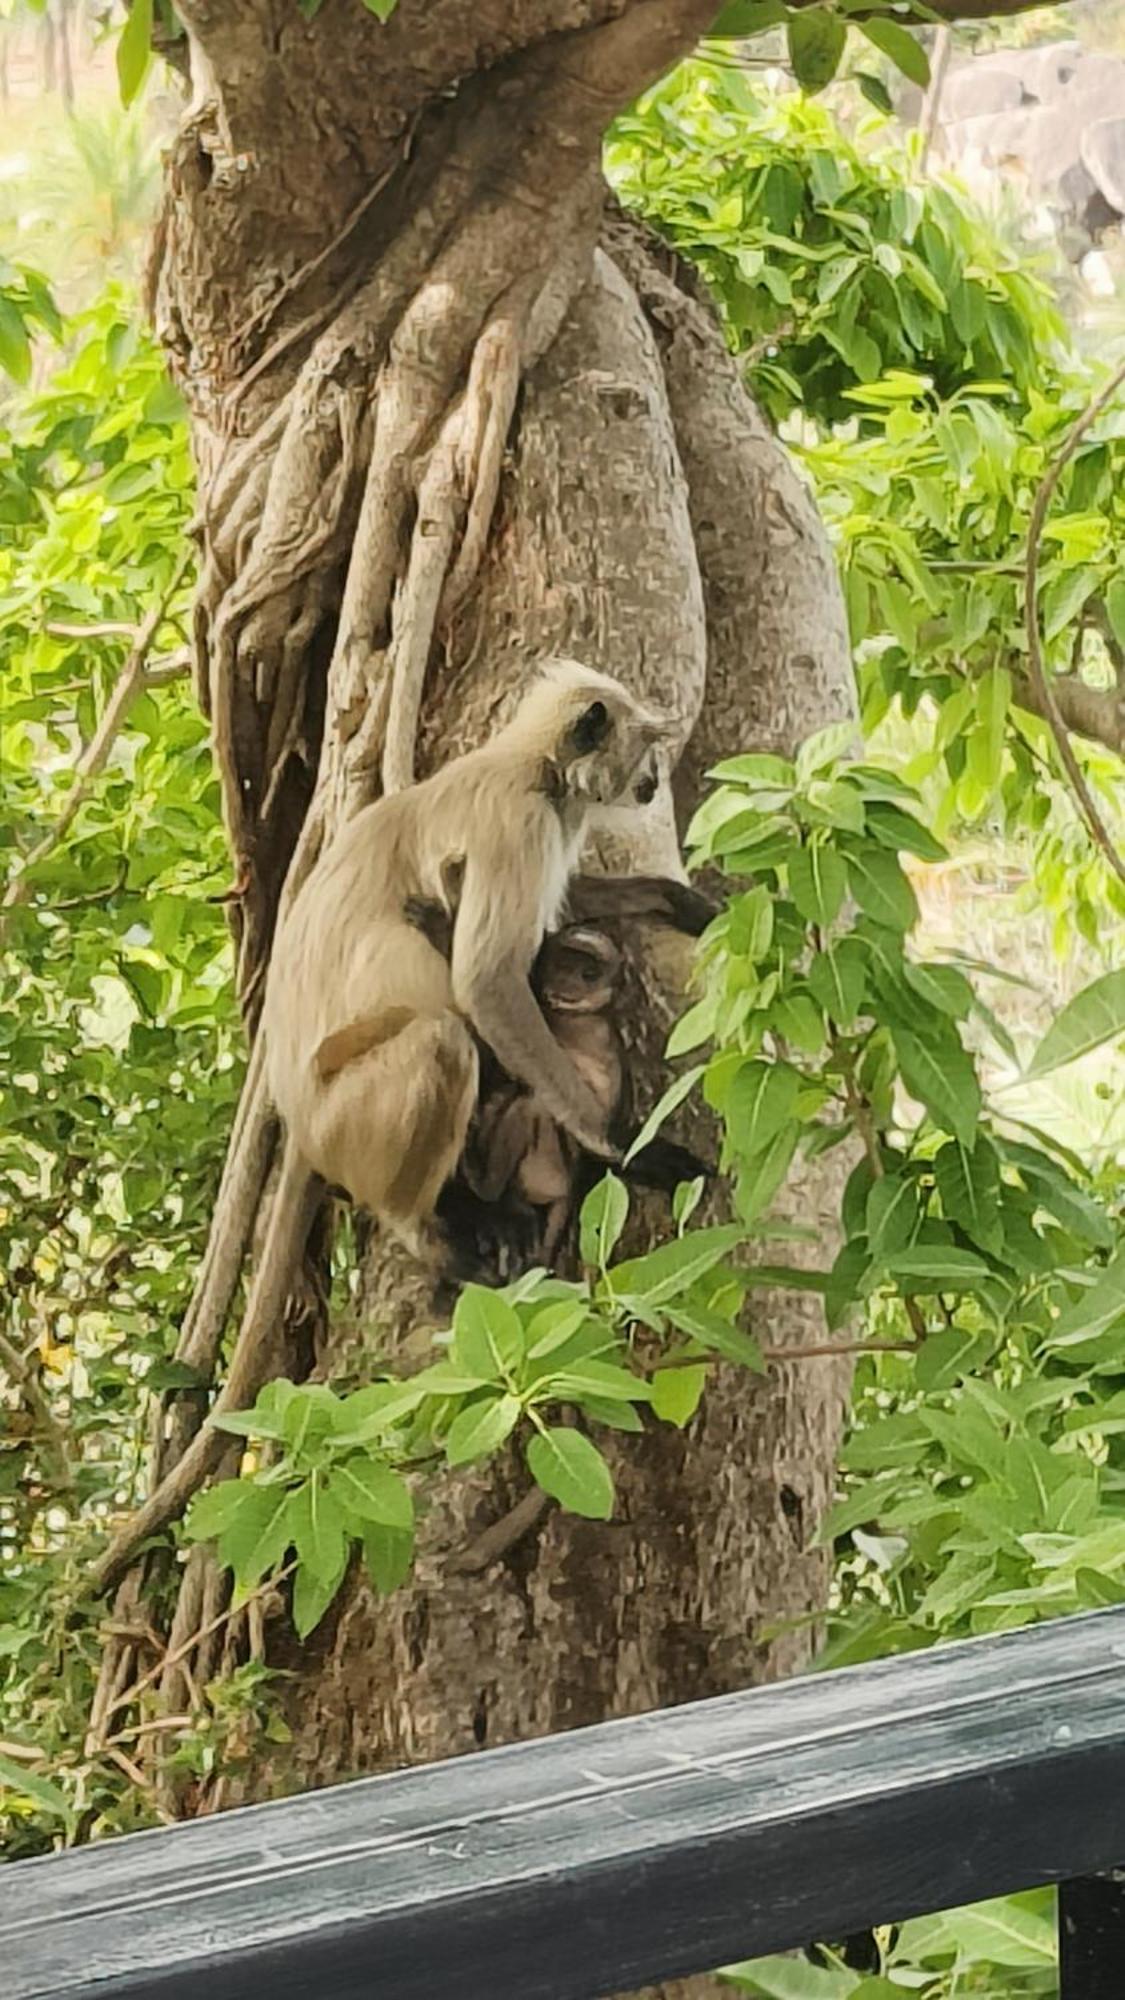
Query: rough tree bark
{"type": "Point", "coordinates": [448, 403]}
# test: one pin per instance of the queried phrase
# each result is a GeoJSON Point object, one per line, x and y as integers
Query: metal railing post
{"type": "Point", "coordinates": [1092, 1937]}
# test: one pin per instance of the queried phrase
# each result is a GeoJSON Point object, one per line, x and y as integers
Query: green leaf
{"type": "Point", "coordinates": [134, 49]}
{"type": "Point", "coordinates": [488, 1338]}
{"type": "Point", "coordinates": [673, 1097]}
{"type": "Point", "coordinates": [875, 91]}
{"type": "Point", "coordinates": [968, 1181]}
{"type": "Point", "coordinates": [482, 1428]}
{"type": "Point", "coordinates": [838, 980]}
{"type": "Point", "coordinates": [816, 43]}
{"type": "Point", "coordinates": [1115, 606]}
{"type": "Point", "coordinates": [942, 987]}
{"type": "Point", "coordinates": [312, 1595]}
{"type": "Point", "coordinates": [213, 1510]}
{"type": "Point", "coordinates": [946, 1357]}
{"type": "Point", "coordinates": [677, 1393]}
{"type": "Point", "coordinates": [388, 1554]}
{"type": "Point", "coordinates": [718, 1335]}
{"type": "Point", "coordinates": [572, 1470]}
{"type": "Point", "coordinates": [899, 830]}
{"type": "Point", "coordinates": [256, 1537]}
{"type": "Point", "coordinates": [670, 1270]}
{"type": "Point", "coordinates": [1097, 1307]}
{"type": "Point", "coordinates": [318, 1528]}
{"type": "Point", "coordinates": [596, 1378]}
{"type": "Point", "coordinates": [372, 1491]}
{"type": "Point", "coordinates": [791, 1979]}
{"type": "Point", "coordinates": [15, 348]}
{"type": "Point", "coordinates": [1093, 1017]}
{"type": "Point", "coordinates": [892, 1215]}
{"type": "Point", "coordinates": [942, 1077]}
{"type": "Point", "coordinates": [744, 18]}
{"type": "Point", "coordinates": [28, 1785]}
{"type": "Point", "coordinates": [763, 1174]}
{"type": "Point", "coordinates": [936, 1267]}
{"type": "Point", "coordinates": [881, 889]}
{"type": "Point", "coordinates": [818, 883]}
{"type": "Point", "coordinates": [897, 43]}
{"type": "Point", "coordinates": [605, 1212]}
{"type": "Point", "coordinates": [761, 1102]}
{"type": "Point", "coordinates": [553, 1325]}
{"type": "Point", "coordinates": [382, 9]}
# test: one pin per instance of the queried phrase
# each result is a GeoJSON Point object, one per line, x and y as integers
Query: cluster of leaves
{"type": "Point", "coordinates": [26, 308]}
{"type": "Point", "coordinates": [922, 369]}
{"type": "Point", "coordinates": [830, 261]}
{"type": "Point", "coordinates": [529, 1363]}
{"type": "Point", "coordinates": [816, 39]}
{"type": "Point", "coordinates": [1004, 1949]}
{"type": "Point", "coordinates": [120, 1047]}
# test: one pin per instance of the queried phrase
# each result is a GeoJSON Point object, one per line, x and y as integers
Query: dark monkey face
{"type": "Point", "coordinates": [608, 752]}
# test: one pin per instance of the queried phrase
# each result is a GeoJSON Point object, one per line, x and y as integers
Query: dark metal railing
{"type": "Point", "coordinates": [593, 1863]}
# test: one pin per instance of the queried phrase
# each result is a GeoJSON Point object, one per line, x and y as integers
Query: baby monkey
{"type": "Point", "coordinates": [372, 1030]}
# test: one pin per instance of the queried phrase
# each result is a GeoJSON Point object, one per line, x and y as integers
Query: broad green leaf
{"type": "Point", "coordinates": [134, 49]}
{"type": "Point", "coordinates": [881, 889]}
{"type": "Point", "coordinates": [718, 1335]}
{"type": "Point", "coordinates": [762, 1175]}
{"type": "Point", "coordinates": [745, 18]}
{"type": "Point", "coordinates": [318, 1528]}
{"type": "Point", "coordinates": [816, 43]}
{"type": "Point", "coordinates": [941, 986]}
{"type": "Point", "coordinates": [382, 9]}
{"type": "Point", "coordinates": [1095, 1309]}
{"type": "Point", "coordinates": [488, 1337]}
{"type": "Point", "coordinates": [897, 43]}
{"type": "Point", "coordinates": [673, 1097]}
{"type": "Point", "coordinates": [388, 1554]}
{"type": "Point", "coordinates": [214, 1509]}
{"type": "Point", "coordinates": [968, 1181]}
{"type": "Point", "coordinates": [49, 1797]}
{"type": "Point", "coordinates": [255, 1539]}
{"type": "Point", "coordinates": [902, 833]}
{"type": "Point", "coordinates": [669, 1271]}
{"type": "Point", "coordinates": [605, 1212]}
{"type": "Point", "coordinates": [1095, 1016]}
{"type": "Point", "coordinates": [15, 348]}
{"type": "Point", "coordinates": [892, 1216]}
{"type": "Point", "coordinates": [481, 1429]}
{"type": "Point", "coordinates": [936, 1267]}
{"type": "Point", "coordinates": [571, 1469]}
{"type": "Point", "coordinates": [677, 1393]}
{"type": "Point", "coordinates": [818, 883]}
{"type": "Point", "coordinates": [761, 1102]}
{"type": "Point", "coordinates": [554, 1324]}
{"type": "Point", "coordinates": [838, 980]}
{"type": "Point", "coordinates": [824, 747]}
{"type": "Point", "coordinates": [942, 1077]}
{"type": "Point", "coordinates": [312, 1595]}
{"type": "Point", "coordinates": [597, 1378]}
{"type": "Point", "coordinates": [945, 1357]}
{"type": "Point", "coordinates": [875, 91]}
{"type": "Point", "coordinates": [372, 1491]}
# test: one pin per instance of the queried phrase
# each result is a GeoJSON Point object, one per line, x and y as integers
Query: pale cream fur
{"type": "Point", "coordinates": [370, 1058]}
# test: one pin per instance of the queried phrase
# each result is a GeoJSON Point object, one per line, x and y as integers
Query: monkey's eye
{"type": "Point", "coordinates": [592, 727]}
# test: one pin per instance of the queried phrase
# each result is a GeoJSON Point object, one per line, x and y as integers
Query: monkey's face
{"type": "Point", "coordinates": [608, 751]}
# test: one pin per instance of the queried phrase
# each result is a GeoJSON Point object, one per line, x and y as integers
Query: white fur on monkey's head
{"type": "Point", "coordinates": [600, 739]}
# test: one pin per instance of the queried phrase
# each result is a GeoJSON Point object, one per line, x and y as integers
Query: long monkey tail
{"type": "Point", "coordinates": [291, 1217]}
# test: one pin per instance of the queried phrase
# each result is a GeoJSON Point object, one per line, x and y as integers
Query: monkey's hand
{"type": "Point", "coordinates": [662, 1164]}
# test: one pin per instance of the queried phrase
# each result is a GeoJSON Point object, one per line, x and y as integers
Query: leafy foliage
{"type": "Point", "coordinates": [920, 365]}
{"type": "Point", "coordinates": [120, 1052]}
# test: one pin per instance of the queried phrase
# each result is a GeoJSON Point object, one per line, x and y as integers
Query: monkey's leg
{"type": "Point", "coordinates": [393, 1125]}
{"type": "Point", "coordinates": [591, 898]}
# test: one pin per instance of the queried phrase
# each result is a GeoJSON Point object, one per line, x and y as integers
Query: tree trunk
{"type": "Point", "coordinates": [449, 404]}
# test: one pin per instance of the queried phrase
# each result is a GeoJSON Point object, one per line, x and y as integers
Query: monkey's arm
{"type": "Point", "coordinates": [495, 939]}
{"type": "Point", "coordinates": [590, 897]}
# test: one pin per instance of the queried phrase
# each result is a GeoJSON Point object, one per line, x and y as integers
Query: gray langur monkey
{"type": "Point", "coordinates": [370, 1049]}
